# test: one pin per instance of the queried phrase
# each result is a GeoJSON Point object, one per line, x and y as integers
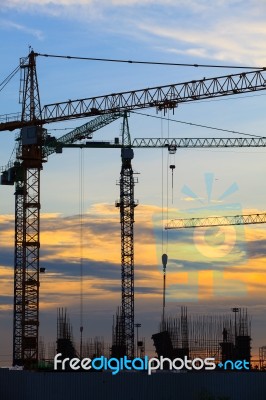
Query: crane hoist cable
{"type": "Point", "coordinates": [165, 184]}
{"type": "Point", "coordinates": [171, 154]}
{"type": "Point", "coordinates": [167, 192]}
{"type": "Point", "coordinates": [162, 187]}
{"type": "Point", "coordinates": [164, 248]}
{"type": "Point", "coordinates": [162, 217]}
{"type": "Point", "coordinates": [81, 220]}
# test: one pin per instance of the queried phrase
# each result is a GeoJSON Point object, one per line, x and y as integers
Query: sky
{"type": "Point", "coordinates": [209, 271]}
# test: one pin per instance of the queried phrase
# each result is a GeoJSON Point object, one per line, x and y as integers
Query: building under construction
{"type": "Point", "coordinates": [224, 337]}
{"type": "Point", "coordinates": [118, 348]}
{"type": "Point", "coordinates": [64, 340]}
{"type": "Point", "coordinates": [66, 345]}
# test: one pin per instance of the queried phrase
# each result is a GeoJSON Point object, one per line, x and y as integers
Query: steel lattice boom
{"type": "Point", "coordinates": [53, 145]}
{"type": "Point", "coordinates": [173, 143]}
{"type": "Point", "coordinates": [197, 143]}
{"type": "Point", "coordinates": [248, 219]}
{"type": "Point", "coordinates": [82, 132]}
{"type": "Point", "coordinates": [160, 97]}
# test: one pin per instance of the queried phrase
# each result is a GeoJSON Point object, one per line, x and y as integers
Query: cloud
{"type": "Point", "coordinates": [4, 300]}
{"type": "Point", "coordinates": [17, 3]}
{"type": "Point", "coordinates": [56, 8]}
{"type": "Point", "coordinates": [228, 31]}
{"type": "Point", "coordinates": [7, 257]}
{"type": "Point", "coordinates": [9, 25]}
{"type": "Point", "coordinates": [193, 5]}
{"type": "Point", "coordinates": [142, 290]}
{"type": "Point", "coordinates": [225, 42]}
{"type": "Point", "coordinates": [101, 257]}
{"type": "Point", "coordinates": [91, 269]}
{"type": "Point", "coordinates": [60, 254]}
{"type": "Point", "coordinates": [257, 248]}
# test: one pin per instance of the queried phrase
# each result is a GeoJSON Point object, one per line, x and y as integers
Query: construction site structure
{"type": "Point", "coordinates": [118, 348]}
{"type": "Point", "coordinates": [31, 157]}
{"type": "Point", "coordinates": [64, 342]}
{"type": "Point", "coordinates": [96, 347]}
{"type": "Point", "coordinates": [262, 358]}
{"type": "Point", "coordinates": [236, 344]}
{"type": "Point", "coordinates": [202, 336]}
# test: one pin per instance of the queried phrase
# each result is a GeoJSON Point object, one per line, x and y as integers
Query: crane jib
{"type": "Point", "coordinates": [160, 97]}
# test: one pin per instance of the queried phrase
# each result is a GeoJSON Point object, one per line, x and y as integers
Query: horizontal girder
{"type": "Point", "coordinates": [160, 97]}
{"type": "Point", "coordinates": [181, 223]}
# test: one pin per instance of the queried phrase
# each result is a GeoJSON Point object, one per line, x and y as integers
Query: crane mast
{"type": "Point", "coordinates": [27, 224]}
{"type": "Point", "coordinates": [127, 204]}
{"type": "Point", "coordinates": [32, 151]}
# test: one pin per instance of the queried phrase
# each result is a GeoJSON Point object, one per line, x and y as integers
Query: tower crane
{"type": "Point", "coordinates": [31, 153]}
{"type": "Point", "coordinates": [27, 228]}
{"type": "Point", "coordinates": [127, 202]}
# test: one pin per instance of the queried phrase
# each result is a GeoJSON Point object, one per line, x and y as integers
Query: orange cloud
{"type": "Point", "coordinates": [60, 246]}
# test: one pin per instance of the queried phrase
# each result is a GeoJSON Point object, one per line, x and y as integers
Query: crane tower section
{"type": "Point", "coordinates": [127, 205]}
{"type": "Point", "coordinates": [29, 159]}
